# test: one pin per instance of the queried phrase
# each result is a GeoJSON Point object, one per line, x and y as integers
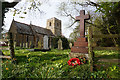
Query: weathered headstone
{"type": "Point", "coordinates": [26, 45]}
{"type": "Point", "coordinates": [70, 45]}
{"type": "Point", "coordinates": [20, 45]}
{"type": "Point", "coordinates": [60, 44]}
{"type": "Point", "coordinates": [80, 46]}
{"type": "Point", "coordinates": [45, 42]}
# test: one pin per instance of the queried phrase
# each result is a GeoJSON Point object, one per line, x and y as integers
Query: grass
{"type": "Point", "coordinates": [52, 64]}
{"type": "Point", "coordinates": [107, 54]}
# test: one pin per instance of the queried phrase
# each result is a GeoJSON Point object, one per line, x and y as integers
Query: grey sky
{"type": "Point", "coordinates": [36, 18]}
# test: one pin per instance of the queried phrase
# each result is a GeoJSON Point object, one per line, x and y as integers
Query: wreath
{"type": "Point", "coordinates": [77, 61]}
{"type": "Point", "coordinates": [74, 62]}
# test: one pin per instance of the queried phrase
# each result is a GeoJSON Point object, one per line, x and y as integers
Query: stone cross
{"type": "Point", "coordinates": [82, 19]}
{"type": "Point", "coordinates": [60, 44]}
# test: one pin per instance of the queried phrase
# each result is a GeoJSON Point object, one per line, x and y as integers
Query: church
{"type": "Point", "coordinates": [31, 36]}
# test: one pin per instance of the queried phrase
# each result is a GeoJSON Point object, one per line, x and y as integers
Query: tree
{"type": "Point", "coordinates": [33, 6]}
{"type": "Point", "coordinates": [108, 17]}
{"type": "Point", "coordinates": [75, 34]}
{"type": "Point", "coordinates": [111, 19]}
{"type": "Point", "coordinates": [5, 6]}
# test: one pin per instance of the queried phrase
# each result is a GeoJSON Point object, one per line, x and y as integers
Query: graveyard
{"type": "Point", "coordinates": [34, 52]}
{"type": "Point", "coordinates": [82, 61]}
{"type": "Point", "coordinates": [53, 64]}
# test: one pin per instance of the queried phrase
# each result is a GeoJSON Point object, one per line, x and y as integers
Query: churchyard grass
{"type": "Point", "coordinates": [53, 64]}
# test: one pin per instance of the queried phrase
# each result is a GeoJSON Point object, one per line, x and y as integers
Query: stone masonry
{"type": "Point", "coordinates": [81, 45]}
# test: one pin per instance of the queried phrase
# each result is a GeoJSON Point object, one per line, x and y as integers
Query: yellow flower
{"type": "Point", "coordinates": [52, 68]}
{"type": "Point", "coordinates": [29, 59]}
{"type": "Point", "coordinates": [7, 69]}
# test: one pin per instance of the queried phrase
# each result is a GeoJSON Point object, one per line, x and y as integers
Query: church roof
{"type": "Point", "coordinates": [23, 28]}
{"type": "Point", "coordinates": [41, 30]}
{"type": "Point", "coordinates": [31, 29]}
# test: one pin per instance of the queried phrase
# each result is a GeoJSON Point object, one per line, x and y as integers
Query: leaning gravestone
{"type": "Point", "coordinates": [26, 45]}
{"type": "Point", "coordinates": [60, 44]}
{"type": "Point", "coordinates": [45, 42]}
{"type": "Point", "coordinates": [80, 46]}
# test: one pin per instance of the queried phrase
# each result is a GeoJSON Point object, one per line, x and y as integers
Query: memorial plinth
{"type": "Point", "coordinates": [80, 47]}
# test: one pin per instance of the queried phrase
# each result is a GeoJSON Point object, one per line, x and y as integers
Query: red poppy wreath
{"type": "Point", "coordinates": [74, 62]}
{"type": "Point", "coordinates": [77, 61]}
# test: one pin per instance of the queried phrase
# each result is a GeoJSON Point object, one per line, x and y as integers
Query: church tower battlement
{"type": "Point", "coordinates": [54, 25]}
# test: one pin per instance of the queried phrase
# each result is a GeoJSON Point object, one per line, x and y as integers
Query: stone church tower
{"type": "Point", "coordinates": [54, 25]}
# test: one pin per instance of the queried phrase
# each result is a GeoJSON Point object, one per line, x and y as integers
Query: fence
{"type": "Point", "coordinates": [91, 46]}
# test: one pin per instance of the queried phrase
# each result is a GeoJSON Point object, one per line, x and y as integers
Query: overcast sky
{"type": "Point", "coordinates": [36, 18]}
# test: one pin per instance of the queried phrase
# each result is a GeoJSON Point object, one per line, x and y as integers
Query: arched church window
{"type": "Point", "coordinates": [50, 24]}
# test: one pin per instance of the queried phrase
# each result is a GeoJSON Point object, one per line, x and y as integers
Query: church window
{"type": "Point", "coordinates": [57, 24]}
{"type": "Point", "coordinates": [50, 24]}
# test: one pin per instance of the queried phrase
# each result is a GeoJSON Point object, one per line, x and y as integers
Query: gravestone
{"type": "Point", "coordinates": [45, 42]}
{"type": "Point", "coordinates": [26, 45]}
{"type": "Point", "coordinates": [20, 45]}
{"type": "Point", "coordinates": [70, 45]}
{"type": "Point", "coordinates": [23, 45]}
{"type": "Point", "coordinates": [60, 44]}
{"type": "Point", "coordinates": [80, 46]}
